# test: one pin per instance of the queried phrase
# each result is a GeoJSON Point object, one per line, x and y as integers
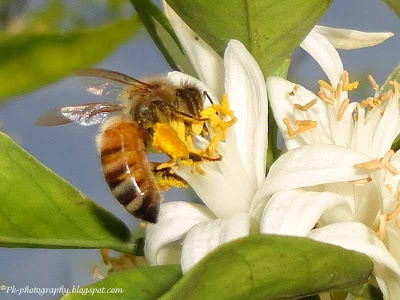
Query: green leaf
{"type": "Point", "coordinates": [163, 35]}
{"type": "Point", "coordinates": [267, 267]}
{"type": "Point", "coordinates": [138, 284]}
{"type": "Point", "coordinates": [29, 61]}
{"type": "Point", "coordinates": [270, 29]}
{"type": "Point", "coordinates": [40, 210]}
{"type": "Point", "coordinates": [394, 5]}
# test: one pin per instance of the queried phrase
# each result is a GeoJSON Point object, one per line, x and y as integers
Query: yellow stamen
{"type": "Point", "coordinates": [295, 89]}
{"type": "Point", "coordinates": [387, 95]}
{"type": "Point", "coordinates": [338, 91]}
{"type": "Point", "coordinates": [342, 108]}
{"type": "Point", "coordinates": [387, 156]}
{"type": "Point", "coordinates": [370, 165]}
{"type": "Point", "coordinates": [382, 226]}
{"type": "Point", "coordinates": [307, 106]}
{"type": "Point", "coordinates": [300, 123]}
{"type": "Point", "coordinates": [345, 78]}
{"type": "Point", "coordinates": [197, 127]}
{"type": "Point", "coordinates": [326, 85]}
{"type": "Point", "coordinates": [168, 164]}
{"type": "Point", "coordinates": [311, 125]}
{"type": "Point", "coordinates": [394, 213]}
{"type": "Point", "coordinates": [361, 181]}
{"type": "Point", "coordinates": [366, 102]}
{"type": "Point", "coordinates": [291, 132]}
{"type": "Point", "coordinates": [324, 97]}
{"type": "Point", "coordinates": [351, 86]}
{"type": "Point", "coordinates": [371, 79]}
{"type": "Point", "coordinates": [391, 168]}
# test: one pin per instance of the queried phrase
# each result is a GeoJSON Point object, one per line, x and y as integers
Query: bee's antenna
{"type": "Point", "coordinates": [208, 97]}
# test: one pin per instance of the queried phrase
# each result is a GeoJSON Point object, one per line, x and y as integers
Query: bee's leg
{"type": "Point", "coordinates": [166, 177]}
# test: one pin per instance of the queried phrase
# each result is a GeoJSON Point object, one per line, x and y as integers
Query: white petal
{"type": "Point", "coordinates": [206, 236]}
{"type": "Point", "coordinates": [174, 221]}
{"type": "Point", "coordinates": [309, 166]}
{"type": "Point", "coordinates": [296, 212]}
{"type": "Point", "coordinates": [208, 64]}
{"type": "Point", "coordinates": [392, 240]}
{"type": "Point", "coordinates": [325, 54]}
{"type": "Point", "coordinates": [217, 192]}
{"type": "Point", "coordinates": [245, 86]}
{"type": "Point", "coordinates": [358, 237]}
{"type": "Point", "coordinates": [348, 39]}
{"type": "Point", "coordinates": [181, 79]}
{"type": "Point", "coordinates": [282, 105]}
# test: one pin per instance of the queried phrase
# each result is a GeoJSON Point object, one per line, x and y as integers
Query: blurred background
{"type": "Point", "coordinates": [70, 150]}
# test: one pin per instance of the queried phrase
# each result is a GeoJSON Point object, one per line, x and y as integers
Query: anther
{"type": "Point", "coordinates": [382, 226]}
{"type": "Point", "coordinates": [307, 106]}
{"type": "Point", "coordinates": [326, 85]}
{"type": "Point", "coordinates": [361, 181]}
{"type": "Point", "coordinates": [366, 102]}
{"type": "Point", "coordinates": [370, 165]}
{"type": "Point", "coordinates": [345, 78]}
{"type": "Point", "coordinates": [291, 132]}
{"type": "Point", "coordinates": [295, 89]}
{"type": "Point", "coordinates": [342, 108]}
{"type": "Point", "coordinates": [389, 188]}
{"type": "Point", "coordinates": [394, 213]}
{"type": "Point", "coordinates": [311, 125]}
{"type": "Point", "coordinates": [338, 91]}
{"type": "Point", "coordinates": [391, 169]}
{"type": "Point", "coordinates": [300, 123]}
{"type": "Point", "coordinates": [351, 86]}
{"type": "Point", "coordinates": [371, 79]}
{"type": "Point", "coordinates": [387, 156]}
{"type": "Point", "coordinates": [324, 97]}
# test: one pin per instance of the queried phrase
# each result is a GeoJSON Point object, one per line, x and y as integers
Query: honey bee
{"type": "Point", "coordinates": [125, 138]}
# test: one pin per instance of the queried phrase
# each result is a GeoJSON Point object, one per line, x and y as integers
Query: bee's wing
{"type": "Point", "coordinates": [115, 85]}
{"type": "Point", "coordinates": [83, 114]}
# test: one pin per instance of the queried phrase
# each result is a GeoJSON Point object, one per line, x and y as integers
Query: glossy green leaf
{"type": "Point", "coordinates": [29, 61]}
{"type": "Point", "coordinates": [394, 5]}
{"type": "Point", "coordinates": [270, 29]}
{"type": "Point", "coordinates": [40, 210]}
{"type": "Point", "coordinates": [163, 35]}
{"type": "Point", "coordinates": [138, 284]}
{"type": "Point", "coordinates": [267, 267]}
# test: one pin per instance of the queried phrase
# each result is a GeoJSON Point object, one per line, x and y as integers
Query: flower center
{"type": "Point", "coordinates": [194, 141]}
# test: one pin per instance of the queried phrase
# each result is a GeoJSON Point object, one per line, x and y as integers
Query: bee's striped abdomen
{"type": "Point", "coordinates": [126, 169]}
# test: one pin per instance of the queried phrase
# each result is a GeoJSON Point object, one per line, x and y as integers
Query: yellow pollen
{"type": "Point", "coordinates": [370, 165]}
{"type": "Point", "coordinates": [377, 102]}
{"type": "Point", "coordinates": [389, 188]}
{"type": "Point", "coordinates": [295, 89]}
{"type": "Point", "coordinates": [311, 125]}
{"type": "Point", "coordinates": [382, 226]}
{"type": "Point", "coordinates": [326, 85]}
{"type": "Point", "coordinates": [342, 108]}
{"type": "Point", "coordinates": [366, 102]}
{"type": "Point", "coordinates": [324, 97]}
{"type": "Point", "coordinates": [361, 181]}
{"type": "Point", "coordinates": [338, 91]}
{"type": "Point", "coordinates": [307, 106]}
{"type": "Point", "coordinates": [291, 132]}
{"type": "Point", "coordinates": [167, 140]}
{"type": "Point", "coordinates": [394, 213]}
{"type": "Point", "coordinates": [371, 79]}
{"type": "Point", "coordinates": [345, 78]}
{"type": "Point", "coordinates": [197, 127]}
{"type": "Point", "coordinates": [351, 86]}
{"type": "Point", "coordinates": [387, 156]}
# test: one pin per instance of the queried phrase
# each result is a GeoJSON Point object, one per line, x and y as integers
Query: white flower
{"type": "Point", "coordinates": [314, 191]}
{"type": "Point", "coordinates": [185, 231]}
